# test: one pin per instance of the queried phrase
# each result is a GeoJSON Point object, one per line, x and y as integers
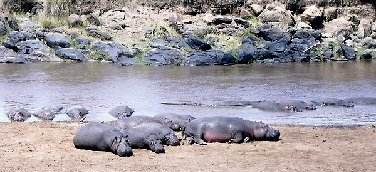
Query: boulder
{"type": "Point", "coordinates": [221, 20]}
{"type": "Point", "coordinates": [29, 26]}
{"type": "Point", "coordinates": [348, 52]}
{"type": "Point", "coordinates": [111, 51]}
{"type": "Point", "coordinates": [365, 28]}
{"type": "Point", "coordinates": [196, 43]}
{"type": "Point", "coordinates": [257, 9]}
{"type": "Point", "coordinates": [246, 53]}
{"type": "Point", "coordinates": [337, 27]}
{"type": "Point", "coordinates": [97, 33]}
{"type": "Point", "coordinates": [277, 15]}
{"type": "Point", "coordinates": [82, 43]}
{"type": "Point", "coordinates": [75, 20]}
{"type": "Point", "coordinates": [35, 51]}
{"type": "Point", "coordinates": [314, 16]}
{"type": "Point", "coordinates": [16, 37]}
{"type": "Point", "coordinates": [9, 56]}
{"type": "Point", "coordinates": [212, 57]}
{"type": "Point", "coordinates": [271, 33]}
{"type": "Point", "coordinates": [368, 54]}
{"type": "Point", "coordinates": [164, 56]}
{"type": "Point", "coordinates": [3, 29]}
{"type": "Point", "coordinates": [13, 24]}
{"type": "Point", "coordinates": [57, 40]}
{"type": "Point", "coordinates": [296, 6]}
{"type": "Point", "coordinates": [330, 13]}
{"type": "Point", "coordinates": [70, 54]}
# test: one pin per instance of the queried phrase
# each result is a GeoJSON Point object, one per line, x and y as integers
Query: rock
{"type": "Point", "coordinates": [314, 16]}
{"type": "Point", "coordinates": [339, 26]}
{"type": "Point", "coordinates": [271, 33]}
{"type": "Point", "coordinates": [18, 115]}
{"type": "Point", "coordinates": [365, 28]}
{"type": "Point", "coordinates": [212, 57]}
{"type": "Point", "coordinates": [164, 56]}
{"type": "Point", "coordinates": [276, 15]}
{"type": "Point", "coordinates": [96, 33]}
{"type": "Point", "coordinates": [257, 9]}
{"type": "Point", "coordinates": [296, 6]}
{"type": "Point", "coordinates": [13, 24]}
{"type": "Point", "coordinates": [172, 42]}
{"type": "Point", "coordinates": [246, 53]}
{"type": "Point", "coordinates": [245, 13]}
{"type": "Point", "coordinates": [35, 51]}
{"type": "Point", "coordinates": [82, 43]}
{"type": "Point", "coordinates": [93, 20]}
{"type": "Point", "coordinates": [3, 29]}
{"type": "Point", "coordinates": [75, 20]}
{"type": "Point", "coordinates": [70, 54]}
{"type": "Point", "coordinates": [121, 112]}
{"type": "Point", "coordinates": [196, 43]}
{"type": "Point", "coordinates": [9, 56]}
{"type": "Point", "coordinates": [242, 22]}
{"type": "Point", "coordinates": [57, 40]}
{"type": "Point", "coordinates": [368, 43]}
{"type": "Point", "coordinates": [16, 37]}
{"type": "Point", "coordinates": [77, 113]}
{"type": "Point", "coordinates": [29, 26]}
{"type": "Point", "coordinates": [330, 13]}
{"type": "Point", "coordinates": [368, 54]}
{"type": "Point", "coordinates": [348, 52]}
{"type": "Point", "coordinates": [111, 51]}
{"type": "Point", "coordinates": [221, 20]}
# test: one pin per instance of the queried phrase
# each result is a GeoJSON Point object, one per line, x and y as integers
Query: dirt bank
{"type": "Point", "coordinates": [48, 147]}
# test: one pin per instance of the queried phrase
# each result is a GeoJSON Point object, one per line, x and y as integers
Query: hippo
{"type": "Point", "coordinates": [283, 106]}
{"type": "Point", "coordinates": [152, 136]}
{"type": "Point", "coordinates": [228, 129]}
{"type": "Point", "coordinates": [174, 121]}
{"type": "Point", "coordinates": [48, 113]}
{"type": "Point", "coordinates": [18, 115]}
{"type": "Point", "coordinates": [132, 121]}
{"type": "Point", "coordinates": [361, 100]}
{"type": "Point", "coordinates": [121, 112]}
{"type": "Point", "coordinates": [333, 102]}
{"type": "Point", "coordinates": [77, 113]}
{"type": "Point", "coordinates": [102, 137]}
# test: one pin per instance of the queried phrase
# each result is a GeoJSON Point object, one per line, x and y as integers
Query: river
{"type": "Point", "coordinates": [99, 87]}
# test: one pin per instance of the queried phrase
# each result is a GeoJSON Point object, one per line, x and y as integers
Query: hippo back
{"type": "Point", "coordinates": [132, 121]}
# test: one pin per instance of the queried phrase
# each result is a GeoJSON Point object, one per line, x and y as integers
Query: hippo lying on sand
{"type": "Point", "coordinates": [151, 136]}
{"type": "Point", "coordinates": [102, 137]}
{"type": "Point", "coordinates": [132, 121]}
{"type": "Point", "coordinates": [48, 113]}
{"type": "Point", "coordinates": [228, 129]}
{"type": "Point", "coordinates": [77, 113]}
{"type": "Point", "coordinates": [174, 121]}
{"type": "Point", "coordinates": [18, 115]}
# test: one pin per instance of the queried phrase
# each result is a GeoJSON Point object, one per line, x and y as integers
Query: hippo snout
{"type": "Point", "coordinates": [124, 150]}
{"type": "Point", "coordinates": [273, 135]}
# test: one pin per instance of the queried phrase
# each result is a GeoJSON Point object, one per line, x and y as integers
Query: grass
{"type": "Point", "coordinates": [227, 43]}
{"type": "Point", "coordinates": [51, 22]}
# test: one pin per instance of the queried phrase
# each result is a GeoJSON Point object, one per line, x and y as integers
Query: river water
{"type": "Point", "coordinates": [99, 87]}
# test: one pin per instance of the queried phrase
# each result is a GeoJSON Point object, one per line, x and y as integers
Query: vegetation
{"type": "Point", "coordinates": [51, 21]}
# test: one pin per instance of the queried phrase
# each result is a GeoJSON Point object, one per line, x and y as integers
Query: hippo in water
{"type": "Point", "coordinates": [174, 121]}
{"type": "Point", "coordinates": [228, 129]}
{"type": "Point", "coordinates": [362, 100]}
{"type": "Point", "coordinates": [151, 136]}
{"type": "Point", "coordinates": [121, 112]}
{"type": "Point", "coordinates": [102, 137]}
{"type": "Point", "coordinates": [18, 115]}
{"type": "Point", "coordinates": [48, 113]}
{"type": "Point", "coordinates": [283, 106]}
{"type": "Point", "coordinates": [333, 102]}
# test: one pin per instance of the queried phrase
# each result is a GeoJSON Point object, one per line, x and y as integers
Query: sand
{"type": "Point", "coordinates": [48, 147]}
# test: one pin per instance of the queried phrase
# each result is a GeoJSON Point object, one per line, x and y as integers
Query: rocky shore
{"type": "Point", "coordinates": [254, 31]}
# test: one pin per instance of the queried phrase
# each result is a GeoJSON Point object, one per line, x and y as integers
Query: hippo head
{"type": "Point", "coordinates": [156, 146]}
{"type": "Point", "coordinates": [120, 146]}
{"type": "Point", "coordinates": [261, 131]}
{"type": "Point", "coordinates": [172, 140]}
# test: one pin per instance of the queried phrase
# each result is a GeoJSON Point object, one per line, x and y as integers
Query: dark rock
{"type": "Point", "coordinates": [34, 51]}
{"type": "Point", "coordinates": [240, 21]}
{"type": "Point", "coordinates": [13, 24]}
{"type": "Point", "coordinates": [221, 20]}
{"type": "Point", "coordinates": [196, 43]}
{"type": "Point", "coordinates": [96, 33]}
{"type": "Point", "coordinates": [112, 51]}
{"type": "Point", "coordinates": [164, 56]}
{"type": "Point", "coordinates": [296, 6]}
{"type": "Point", "coordinates": [3, 29]}
{"type": "Point", "coordinates": [270, 33]}
{"type": "Point", "coordinates": [212, 57]}
{"type": "Point", "coordinates": [9, 56]}
{"type": "Point", "coordinates": [16, 37]}
{"type": "Point", "coordinates": [70, 54]}
{"type": "Point", "coordinates": [18, 115]}
{"type": "Point", "coordinates": [57, 40]}
{"type": "Point", "coordinates": [82, 43]}
{"type": "Point", "coordinates": [247, 53]}
{"type": "Point", "coordinates": [173, 42]}
{"type": "Point", "coordinates": [307, 34]}
{"type": "Point", "coordinates": [277, 46]}
{"type": "Point", "coordinates": [93, 20]}
{"type": "Point", "coordinates": [368, 54]}
{"type": "Point", "coordinates": [348, 52]}
{"type": "Point", "coordinates": [121, 112]}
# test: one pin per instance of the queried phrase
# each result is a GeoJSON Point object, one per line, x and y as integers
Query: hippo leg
{"type": "Point", "coordinates": [238, 138]}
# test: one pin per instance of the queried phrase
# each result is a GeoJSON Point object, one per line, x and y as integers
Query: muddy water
{"type": "Point", "coordinates": [100, 87]}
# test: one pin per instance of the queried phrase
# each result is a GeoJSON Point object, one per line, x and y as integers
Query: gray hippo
{"type": "Point", "coordinates": [362, 100]}
{"type": "Point", "coordinates": [283, 106]}
{"type": "Point", "coordinates": [151, 136]}
{"type": "Point", "coordinates": [333, 102]}
{"type": "Point", "coordinates": [132, 121]}
{"type": "Point", "coordinates": [77, 113]}
{"type": "Point", "coordinates": [102, 137]}
{"type": "Point", "coordinates": [174, 121]}
{"type": "Point", "coordinates": [48, 113]}
{"type": "Point", "coordinates": [121, 112]}
{"type": "Point", "coordinates": [228, 129]}
{"type": "Point", "coordinates": [18, 115]}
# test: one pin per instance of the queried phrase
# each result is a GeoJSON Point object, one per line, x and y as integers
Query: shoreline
{"type": "Point", "coordinates": [48, 147]}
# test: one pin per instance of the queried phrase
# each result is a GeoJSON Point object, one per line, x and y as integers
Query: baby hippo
{"type": "Point", "coordinates": [228, 129]}
{"type": "Point", "coordinates": [102, 137]}
{"type": "Point", "coordinates": [151, 136]}
{"type": "Point", "coordinates": [174, 121]}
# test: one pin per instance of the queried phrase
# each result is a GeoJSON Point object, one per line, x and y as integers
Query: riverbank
{"type": "Point", "coordinates": [48, 147]}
